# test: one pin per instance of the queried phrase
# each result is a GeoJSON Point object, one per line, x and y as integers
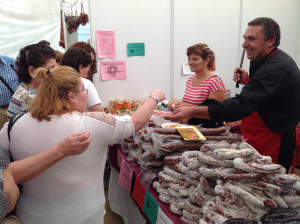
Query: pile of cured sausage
{"type": "Point", "coordinates": [228, 183]}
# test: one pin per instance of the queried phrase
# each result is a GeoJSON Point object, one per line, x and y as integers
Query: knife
{"type": "Point", "coordinates": [237, 85]}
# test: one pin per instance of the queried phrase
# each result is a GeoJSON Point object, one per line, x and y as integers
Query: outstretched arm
{"type": "Point", "coordinates": [183, 113]}
{"type": "Point", "coordinates": [143, 114]}
{"type": "Point", "coordinates": [26, 169]}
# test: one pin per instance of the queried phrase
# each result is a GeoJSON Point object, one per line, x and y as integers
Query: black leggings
{"type": "Point", "coordinates": [287, 148]}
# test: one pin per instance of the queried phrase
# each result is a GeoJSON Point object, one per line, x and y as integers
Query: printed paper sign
{"type": "Point", "coordinates": [106, 45]}
{"type": "Point", "coordinates": [125, 177]}
{"type": "Point", "coordinates": [150, 207]}
{"type": "Point", "coordinates": [186, 69]}
{"type": "Point", "coordinates": [138, 193]}
{"type": "Point", "coordinates": [135, 49]}
{"type": "Point", "coordinates": [162, 218]}
{"type": "Point", "coordinates": [113, 70]}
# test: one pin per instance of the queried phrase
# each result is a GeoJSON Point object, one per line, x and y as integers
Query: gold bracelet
{"type": "Point", "coordinates": [154, 97]}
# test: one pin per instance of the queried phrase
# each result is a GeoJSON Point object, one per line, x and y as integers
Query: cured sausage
{"type": "Point", "coordinates": [174, 207]}
{"type": "Point", "coordinates": [247, 197]}
{"type": "Point", "coordinates": [203, 158]}
{"type": "Point", "coordinates": [252, 167]}
{"type": "Point", "coordinates": [284, 178]}
{"type": "Point", "coordinates": [228, 138]}
{"type": "Point", "coordinates": [187, 155]}
{"type": "Point", "coordinates": [281, 215]}
{"type": "Point", "coordinates": [232, 153]}
{"type": "Point", "coordinates": [239, 221]}
{"type": "Point", "coordinates": [191, 216]}
{"type": "Point", "coordinates": [173, 158]}
{"type": "Point", "coordinates": [166, 199]}
{"type": "Point", "coordinates": [173, 193]}
{"type": "Point", "coordinates": [194, 164]}
{"type": "Point", "coordinates": [210, 172]}
{"type": "Point", "coordinates": [206, 187]}
{"type": "Point", "coordinates": [170, 147]}
{"type": "Point", "coordinates": [181, 167]}
{"type": "Point", "coordinates": [191, 181]}
{"type": "Point", "coordinates": [266, 186]}
{"type": "Point", "coordinates": [277, 198]}
{"type": "Point", "coordinates": [194, 174]}
{"type": "Point", "coordinates": [217, 218]}
{"type": "Point", "coordinates": [228, 174]}
{"type": "Point", "coordinates": [168, 178]}
{"type": "Point", "coordinates": [212, 131]}
{"type": "Point", "coordinates": [171, 172]}
{"type": "Point", "coordinates": [202, 194]}
{"type": "Point", "coordinates": [192, 208]}
{"type": "Point", "coordinates": [176, 187]}
{"type": "Point", "coordinates": [184, 220]}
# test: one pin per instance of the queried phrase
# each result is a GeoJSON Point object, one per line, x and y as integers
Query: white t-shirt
{"type": "Point", "coordinates": [93, 97]}
{"type": "Point", "coordinates": [71, 191]}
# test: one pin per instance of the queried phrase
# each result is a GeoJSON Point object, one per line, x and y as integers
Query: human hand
{"type": "Point", "coordinates": [75, 144]}
{"type": "Point", "coordinates": [240, 75]}
{"type": "Point", "coordinates": [180, 114]}
{"type": "Point", "coordinates": [159, 94]}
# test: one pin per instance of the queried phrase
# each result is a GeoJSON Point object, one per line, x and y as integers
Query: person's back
{"type": "Point", "coordinates": [75, 184]}
{"type": "Point", "coordinates": [8, 85]}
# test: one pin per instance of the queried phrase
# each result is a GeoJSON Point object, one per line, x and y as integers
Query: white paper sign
{"type": "Point", "coordinates": [162, 218]}
{"type": "Point", "coordinates": [186, 69]}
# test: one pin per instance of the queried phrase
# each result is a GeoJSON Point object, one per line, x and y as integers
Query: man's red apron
{"type": "Point", "coordinates": [257, 134]}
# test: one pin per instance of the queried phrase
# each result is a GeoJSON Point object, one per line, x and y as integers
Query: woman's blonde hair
{"type": "Point", "coordinates": [204, 52]}
{"type": "Point", "coordinates": [52, 94]}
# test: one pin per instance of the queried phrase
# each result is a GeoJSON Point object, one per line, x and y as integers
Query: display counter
{"type": "Point", "coordinates": [122, 201]}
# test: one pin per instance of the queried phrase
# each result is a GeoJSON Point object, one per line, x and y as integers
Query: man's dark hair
{"type": "Point", "coordinates": [270, 28]}
{"type": "Point", "coordinates": [76, 56]}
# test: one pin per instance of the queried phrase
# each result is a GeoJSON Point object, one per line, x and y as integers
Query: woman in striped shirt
{"type": "Point", "coordinates": [204, 84]}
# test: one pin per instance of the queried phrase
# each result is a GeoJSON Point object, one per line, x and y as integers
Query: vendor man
{"type": "Point", "coordinates": [269, 103]}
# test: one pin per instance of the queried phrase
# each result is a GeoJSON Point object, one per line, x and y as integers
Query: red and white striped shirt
{"type": "Point", "coordinates": [197, 94]}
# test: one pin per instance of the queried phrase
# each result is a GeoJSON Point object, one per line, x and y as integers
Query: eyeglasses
{"type": "Point", "coordinates": [86, 91]}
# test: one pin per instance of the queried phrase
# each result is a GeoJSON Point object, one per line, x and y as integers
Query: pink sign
{"type": "Point", "coordinates": [106, 45]}
{"type": "Point", "coordinates": [112, 70]}
{"type": "Point", "coordinates": [125, 176]}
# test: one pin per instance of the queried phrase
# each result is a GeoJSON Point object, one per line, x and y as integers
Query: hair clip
{"type": "Point", "coordinates": [26, 55]}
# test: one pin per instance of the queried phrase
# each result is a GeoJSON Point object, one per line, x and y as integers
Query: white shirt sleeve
{"type": "Point", "coordinates": [92, 98]}
{"type": "Point", "coordinates": [124, 127]}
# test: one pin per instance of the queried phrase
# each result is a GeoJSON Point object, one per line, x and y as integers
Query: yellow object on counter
{"type": "Point", "coordinates": [190, 133]}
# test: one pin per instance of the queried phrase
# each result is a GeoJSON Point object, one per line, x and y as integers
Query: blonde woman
{"type": "Point", "coordinates": [71, 191]}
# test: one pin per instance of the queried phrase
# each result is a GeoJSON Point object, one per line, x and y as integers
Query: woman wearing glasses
{"type": "Point", "coordinates": [72, 190]}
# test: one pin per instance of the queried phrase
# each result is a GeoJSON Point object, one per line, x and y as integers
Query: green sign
{"type": "Point", "coordinates": [135, 49]}
{"type": "Point", "coordinates": [150, 207]}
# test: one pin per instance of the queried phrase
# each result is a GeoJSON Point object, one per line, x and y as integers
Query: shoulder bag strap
{"type": "Point", "coordinates": [12, 121]}
{"type": "Point", "coordinates": [6, 84]}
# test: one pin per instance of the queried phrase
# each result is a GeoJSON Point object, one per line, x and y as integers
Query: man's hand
{"type": "Point", "coordinates": [240, 75]}
{"type": "Point", "coordinates": [180, 114]}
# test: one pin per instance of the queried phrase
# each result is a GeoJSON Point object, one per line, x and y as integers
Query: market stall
{"type": "Point", "coordinates": [224, 180]}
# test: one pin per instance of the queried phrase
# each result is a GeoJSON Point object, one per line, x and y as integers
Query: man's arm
{"type": "Point", "coordinates": [183, 113]}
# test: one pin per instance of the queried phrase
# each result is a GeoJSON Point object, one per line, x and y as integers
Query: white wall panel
{"type": "Point", "coordinates": [135, 21]}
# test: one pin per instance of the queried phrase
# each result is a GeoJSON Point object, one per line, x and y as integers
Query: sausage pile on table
{"type": "Point", "coordinates": [228, 183]}
{"type": "Point", "coordinates": [220, 180]}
